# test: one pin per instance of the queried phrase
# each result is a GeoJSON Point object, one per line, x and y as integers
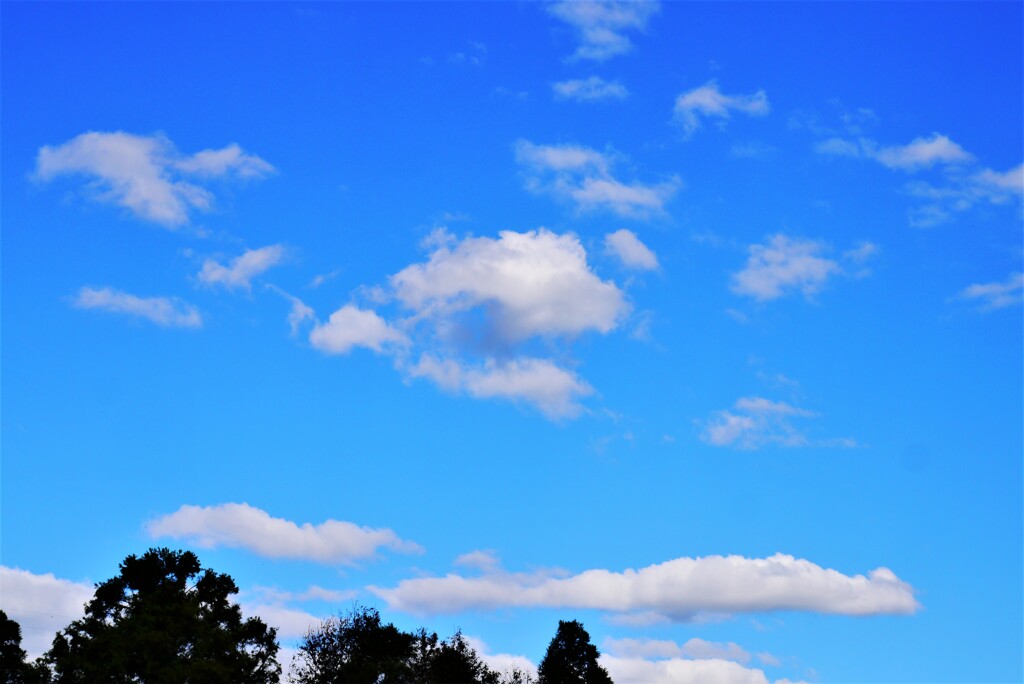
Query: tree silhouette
{"type": "Point", "coordinates": [571, 658]}
{"type": "Point", "coordinates": [165, 620]}
{"type": "Point", "coordinates": [14, 668]}
{"type": "Point", "coordinates": [355, 649]}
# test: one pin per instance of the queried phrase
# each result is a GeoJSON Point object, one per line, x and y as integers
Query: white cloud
{"type": "Point", "coordinates": [709, 101]}
{"type": "Point", "coordinates": [922, 153]}
{"type": "Point", "coordinates": [482, 560]}
{"type": "Point", "coordinates": [350, 327]}
{"type": "Point", "coordinates": [168, 312]}
{"type": "Point", "coordinates": [290, 622]}
{"type": "Point", "coordinates": [583, 176]}
{"type": "Point", "coordinates": [997, 295]}
{"type": "Point", "coordinates": [694, 648]}
{"type": "Point", "coordinates": [591, 89]}
{"type": "Point", "coordinates": [553, 390]}
{"type": "Point", "coordinates": [528, 284]}
{"type": "Point", "coordinates": [755, 422]}
{"type": "Point", "coordinates": [625, 245]}
{"type": "Point", "coordinates": [601, 26]}
{"type": "Point", "coordinates": [41, 604]}
{"type": "Point", "coordinates": [502, 663]}
{"type": "Point", "coordinates": [242, 269]}
{"type": "Point", "coordinates": [679, 671]}
{"type": "Point", "coordinates": [784, 265]}
{"type": "Point", "coordinates": [1011, 181]}
{"type": "Point", "coordinates": [677, 589]}
{"type": "Point", "coordinates": [145, 174]}
{"type": "Point", "coordinates": [243, 526]}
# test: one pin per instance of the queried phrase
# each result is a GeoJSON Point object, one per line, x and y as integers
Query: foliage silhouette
{"type": "Point", "coordinates": [571, 658]}
{"type": "Point", "coordinates": [14, 668]}
{"type": "Point", "coordinates": [165, 620]}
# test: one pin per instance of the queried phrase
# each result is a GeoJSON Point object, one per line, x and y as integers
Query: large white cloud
{"type": "Point", "coordinates": [584, 176]}
{"type": "Point", "coordinates": [146, 174]}
{"type": "Point", "coordinates": [783, 265]}
{"type": "Point", "coordinates": [679, 671]}
{"type": "Point", "coordinates": [676, 589]}
{"type": "Point", "coordinates": [41, 604]}
{"type": "Point", "coordinates": [168, 312]}
{"type": "Point", "coordinates": [243, 526]}
{"type": "Point", "coordinates": [243, 268]}
{"type": "Point", "coordinates": [708, 101]}
{"type": "Point", "coordinates": [530, 284]}
{"type": "Point", "coordinates": [601, 26]}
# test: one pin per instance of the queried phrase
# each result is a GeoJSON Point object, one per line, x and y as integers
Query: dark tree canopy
{"type": "Point", "coordinates": [14, 668]}
{"type": "Point", "coordinates": [165, 620]}
{"type": "Point", "coordinates": [571, 658]}
{"type": "Point", "coordinates": [358, 648]}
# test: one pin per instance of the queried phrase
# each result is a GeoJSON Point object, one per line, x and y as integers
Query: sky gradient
{"type": "Point", "coordinates": [700, 323]}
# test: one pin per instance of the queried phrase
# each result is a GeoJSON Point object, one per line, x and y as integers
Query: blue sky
{"type": "Point", "coordinates": [700, 323]}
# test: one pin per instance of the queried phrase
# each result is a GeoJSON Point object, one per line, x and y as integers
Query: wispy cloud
{"type": "Point", "coordinates": [676, 589]}
{"type": "Point", "coordinates": [592, 89]}
{"type": "Point", "coordinates": [168, 312]}
{"type": "Point", "coordinates": [239, 525]}
{"type": "Point", "coordinates": [601, 27]}
{"type": "Point", "coordinates": [710, 102]}
{"type": "Point", "coordinates": [996, 295]}
{"type": "Point", "coordinates": [583, 176]}
{"type": "Point", "coordinates": [146, 174]}
{"type": "Point", "coordinates": [754, 422]}
{"type": "Point", "coordinates": [626, 246]}
{"type": "Point", "coordinates": [555, 391]}
{"type": "Point", "coordinates": [238, 274]}
{"type": "Point", "coordinates": [920, 153]}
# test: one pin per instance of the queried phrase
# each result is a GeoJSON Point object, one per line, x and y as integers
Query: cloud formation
{"type": "Point", "coordinates": [996, 295]}
{"type": "Point", "coordinates": [784, 265]}
{"type": "Point", "coordinates": [626, 246]}
{"type": "Point", "coordinates": [755, 422]}
{"type": "Point", "coordinates": [583, 176]}
{"type": "Point", "coordinates": [168, 312]}
{"type": "Point", "coordinates": [239, 525]}
{"type": "Point", "coordinates": [708, 101]}
{"type": "Point", "coordinates": [601, 27]}
{"type": "Point", "coordinates": [677, 589]}
{"type": "Point", "coordinates": [41, 604]}
{"type": "Point", "coordinates": [146, 174]}
{"type": "Point", "coordinates": [920, 153]}
{"type": "Point", "coordinates": [528, 284]}
{"type": "Point", "coordinates": [239, 273]}
{"type": "Point", "coordinates": [624, 670]}
{"type": "Point", "coordinates": [592, 89]}
{"type": "Point", "coordinates": [350, 327]}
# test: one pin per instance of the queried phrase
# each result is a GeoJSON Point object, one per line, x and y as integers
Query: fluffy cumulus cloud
{"type": "Point", "coordinates": [530, 284]}
{"type": "Point", "coordinates": [349, 327]}
{"type": "Point", "coordinates": [146, 174]}
{"type": "Point", "coordinates": [995, 295]}
{"type": "Point", "coordinates": [242, 526]}
{"type": "Point", "coordinates": [168, 312]}
{"type": "Point", "coordinates": [783, 265]}
{"type": "Point", "coordinates": [709, 102]}
{"type": "Point", "coordinates": [238, 274]}
{"type": "Point", "coordinates": [41, 604]}
{"type": "Point", "coordinates": [677, 589]}
{"type": "Point", "coordinates": [465, 316]}
{"type": "Point", "coordinates": [583, 176]}
{"type": "Point", "coordinates": [592, 89]}
{"type": "Point", "coordinates": [601, 27]}
{"type": "Point", "coordinates": [627, 248]}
